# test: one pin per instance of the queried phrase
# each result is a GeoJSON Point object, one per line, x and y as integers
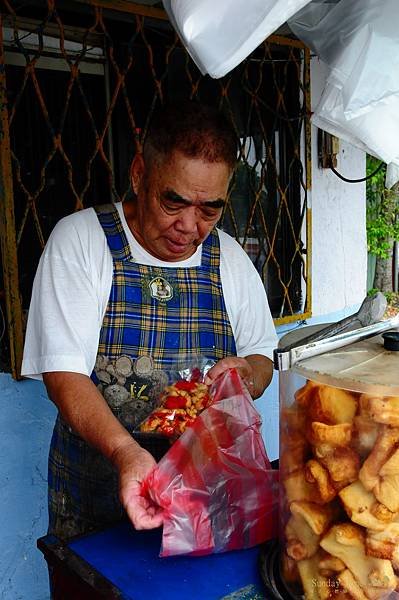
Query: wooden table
{"type": "Point", "coordinates": [123, 563]}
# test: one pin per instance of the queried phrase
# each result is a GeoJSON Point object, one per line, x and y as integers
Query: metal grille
{"type": "Point", "coordinates": [78, 85]}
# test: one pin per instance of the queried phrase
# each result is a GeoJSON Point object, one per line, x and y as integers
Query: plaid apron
{"type": "Point", "coordinates": [154, 316]}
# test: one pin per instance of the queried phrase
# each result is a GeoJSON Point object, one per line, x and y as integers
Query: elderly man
{"type": "Point", "coordinates": [124, 290]}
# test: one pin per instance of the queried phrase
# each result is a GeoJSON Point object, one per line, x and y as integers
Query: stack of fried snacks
{"type": "Point", "coordinates": [339, 468]}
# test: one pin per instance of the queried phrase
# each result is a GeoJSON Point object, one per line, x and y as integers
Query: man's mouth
{"type": "Point", "coordinates": [179, 245]}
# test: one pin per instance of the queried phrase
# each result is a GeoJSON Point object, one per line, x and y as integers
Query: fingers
{"type": "Point", "coordinates": [143, 514]}
{"type": "Point", "coordinates": [145, 518]}
{"type": "Point", "coordinates": [148, 523]}
{"type": "Point", "coordinates": [232, 362]}
{"type": "Point", "coordinates": [140, 510]}
{"type": "Point", "coordinates": [243, 368]}
{"type": "Point", "coordinates": [250, 385]}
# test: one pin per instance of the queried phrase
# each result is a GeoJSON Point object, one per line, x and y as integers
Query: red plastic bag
{"type": "Point", "coordinates": [215, 484]}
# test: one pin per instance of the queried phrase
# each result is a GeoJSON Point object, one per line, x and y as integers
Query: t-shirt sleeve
{"type": "Point", "coordinates": [246, 301]}
{"type": "Point", "coordinates": [66, 307]}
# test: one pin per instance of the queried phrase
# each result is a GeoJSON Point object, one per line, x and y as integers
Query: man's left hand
{"type": "Point", "coordinates": [256, 371]}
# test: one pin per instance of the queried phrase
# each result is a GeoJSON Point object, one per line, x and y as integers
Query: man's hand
{"type": "Point", "coordinates": [232, 362]}
{"type": "Point", "coordinates": [255, 370]}
{"type": "Point", "coordinates": [134, 464]}
{"type": "Point", "coordinates": [95, 423]}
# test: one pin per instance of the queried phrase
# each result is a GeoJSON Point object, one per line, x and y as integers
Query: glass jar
{"type": "Point", "coordinates": [339, 474]}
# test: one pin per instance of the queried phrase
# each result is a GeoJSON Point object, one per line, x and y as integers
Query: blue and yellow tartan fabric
{"type": "Point", "coordinates": [158, 314]}
{"type": "Point", "coordinates": [194, 320]}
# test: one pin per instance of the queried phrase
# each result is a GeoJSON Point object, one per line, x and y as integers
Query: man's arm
{"type": "Point", "coordinates": [85, 410]}
{"type": "Point", "coordinates": [256, 371]}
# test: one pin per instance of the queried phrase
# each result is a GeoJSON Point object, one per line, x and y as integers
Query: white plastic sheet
{"type": "Point", "coordinates": [219, 34]}
{"type": "Point", "coordinates": [359, 41]}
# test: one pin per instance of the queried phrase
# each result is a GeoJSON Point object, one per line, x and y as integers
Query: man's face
{"type": "Point", "coordinates": [178, 203]}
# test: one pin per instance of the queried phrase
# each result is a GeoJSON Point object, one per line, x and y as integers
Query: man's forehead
{"type": "Point", "coordinates": [176, 158]}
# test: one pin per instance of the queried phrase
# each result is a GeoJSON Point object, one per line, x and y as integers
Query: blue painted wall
{"type": "Point", "coordinates": [26, 417]}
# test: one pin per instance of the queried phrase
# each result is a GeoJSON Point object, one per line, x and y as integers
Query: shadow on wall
{"type": "Point", "coordinates": [26, 422]}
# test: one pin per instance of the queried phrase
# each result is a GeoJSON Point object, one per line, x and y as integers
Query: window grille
{"type": "Point", "coordinates": [78, 84]}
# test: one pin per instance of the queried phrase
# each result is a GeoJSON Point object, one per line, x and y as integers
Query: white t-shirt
{"type": "Point", "coordinates": [73, 283]}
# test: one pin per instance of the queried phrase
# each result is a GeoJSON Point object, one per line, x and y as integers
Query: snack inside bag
{"type": "Point", "coordinates": [180, 404]}
{"type": "Point", "coordinates": [183, 397]}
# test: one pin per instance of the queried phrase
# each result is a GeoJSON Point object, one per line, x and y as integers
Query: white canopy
{"type": "Point", "coordinates": [357, 39]}
{"type": "Point", "coordinates": [219, 34]}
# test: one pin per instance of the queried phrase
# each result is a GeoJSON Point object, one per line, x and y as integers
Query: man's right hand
{"type": "Point", "coordinates": [134, 464]}
{"type": "Point", "coordinates": [96, 424]}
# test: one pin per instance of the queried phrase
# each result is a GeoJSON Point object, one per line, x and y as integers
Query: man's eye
{"type": "Point", "coordinates": [171, 207]}
{"type": "Point", "coordinates": [174, 207]}
{"type": "Point", "coordinates": [210, 213]}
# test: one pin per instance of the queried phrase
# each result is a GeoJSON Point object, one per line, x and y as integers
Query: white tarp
{"type": "Point", "coordinates": [219, 34]}
{"type": "Point", "coordinates": [359, 41]}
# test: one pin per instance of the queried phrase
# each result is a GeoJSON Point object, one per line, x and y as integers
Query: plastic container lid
{"type": "Point", "coordinates": [365, 366]}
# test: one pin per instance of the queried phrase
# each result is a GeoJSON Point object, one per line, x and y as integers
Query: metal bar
{"type": "Point", "coordinates": [308, 180]}
{"type": "Point", "coordinates": [71, 33]}
{"type": "Point", "coordinates": [308, 305]}
{"type": "Point", "coordinates": [7, 229]}
{"type": "Point", "coordinates": [128, 7]}
{"type": "Point", "coordinates": [284, 360]}
{"type": "Point", "coordinates": [285, 41]}
{"type": "Point", "coordinates": [292, 318]}
{"type": "Point", "coordinates": [308, 128]}
{"type": "Point", "coordinates": [308, 166]}
{"type": "Point", "coordinates": [370, 312]}
{"type": "Point", "coordinates": [110, 139]}
{"type": "Point", "coordinates": [55, 62]}
{"type": "Point", "coordinates": [395, 266]}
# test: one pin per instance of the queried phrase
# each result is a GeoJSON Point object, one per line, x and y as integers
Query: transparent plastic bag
{"type": "Point", "coordinates": [355, 38]}
{"type": "Point", "coordinates": [181, 401]}
{"type": "Point", "coordinates": [359, 42]}
{"type": "Point", "coordinates": [216, 484]}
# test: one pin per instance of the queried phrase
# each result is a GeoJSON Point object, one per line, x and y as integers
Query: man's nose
{"type": "Point", "coordinates": [189, 218]}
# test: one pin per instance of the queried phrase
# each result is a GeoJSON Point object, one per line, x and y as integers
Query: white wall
{"type": "Point", "coordinates": [339, 246]}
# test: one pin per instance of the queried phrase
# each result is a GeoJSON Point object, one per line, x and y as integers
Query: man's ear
{"type": "Point", "coordinates": [137, 169]}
